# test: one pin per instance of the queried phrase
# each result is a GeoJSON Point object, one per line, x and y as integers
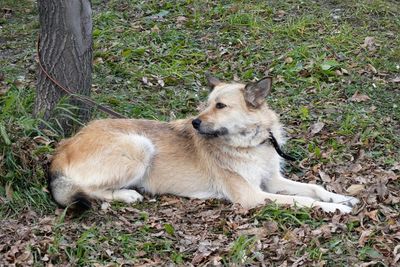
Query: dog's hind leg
{"type": "Point", "coordinates": [125, 166]}
{"type": "Point", "coordinates": [111, 167]}
{"type": "Point", "coordinates": [278, 184]}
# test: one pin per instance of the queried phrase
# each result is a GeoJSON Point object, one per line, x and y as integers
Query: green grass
{"type": "Point", "coordinates": [241, 250]}
{"type": "Point", "coordinates": [149, 62]}
{"type": "Point", "coordinates": [286, 217]}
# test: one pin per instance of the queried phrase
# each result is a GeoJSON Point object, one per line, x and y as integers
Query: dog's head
{"type": "Point", "coordinates": [236, 113]}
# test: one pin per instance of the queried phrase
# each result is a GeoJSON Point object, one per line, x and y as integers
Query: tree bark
{"type": "Point", "coordinates": [66, 54]}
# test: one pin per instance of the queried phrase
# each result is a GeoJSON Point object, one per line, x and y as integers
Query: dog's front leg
{"type": "Point", "coordinates": [278, 184]}
{"type": "Point", "coordinates": [238, 190]}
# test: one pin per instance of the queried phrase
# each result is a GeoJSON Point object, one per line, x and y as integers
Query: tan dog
{"type": "Point", "coordinates": [223, 153]}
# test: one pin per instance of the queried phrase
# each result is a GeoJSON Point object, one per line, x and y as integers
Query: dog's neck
{"type": "Point", "coordinates": [274, 143]}
{"type": "Point", "coordinates": [185, 127]}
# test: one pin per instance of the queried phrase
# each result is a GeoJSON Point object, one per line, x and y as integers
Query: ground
{"type": "Point", "coordinates": [336, 85]}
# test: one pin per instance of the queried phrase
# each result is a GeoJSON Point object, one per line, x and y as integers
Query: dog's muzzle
{"type": "Point", "coordinates": [206, 130]}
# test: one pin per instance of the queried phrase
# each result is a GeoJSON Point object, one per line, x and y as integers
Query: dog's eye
{"type": "Point", "coordinates": [220, 105]}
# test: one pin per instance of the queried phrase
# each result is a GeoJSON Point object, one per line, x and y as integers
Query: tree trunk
{"type": "Point", "coordinates": [66, 54]}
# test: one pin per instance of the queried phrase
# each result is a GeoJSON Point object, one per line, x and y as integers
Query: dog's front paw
{"type": "Point", "coordinates": [351, 201]}
{"type": "Point", "coordinates": [339, 199]}
{"type": "Point", "coordinates": [345, 200]}
{"type": "Point", "coordinates": [332, 207]}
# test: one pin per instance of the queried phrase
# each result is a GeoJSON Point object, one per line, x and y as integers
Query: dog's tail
{"type": "Point", "coordinates": [66, 194]}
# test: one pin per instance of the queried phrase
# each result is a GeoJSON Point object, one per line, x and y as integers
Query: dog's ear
{"type": "Point", "coordinates": [255, 93]}
{"type": "Point", "coordinates": [212, 81]}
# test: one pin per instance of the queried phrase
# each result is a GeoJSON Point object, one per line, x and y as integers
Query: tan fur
{"type": "Point", "coordinates": [109, 157]}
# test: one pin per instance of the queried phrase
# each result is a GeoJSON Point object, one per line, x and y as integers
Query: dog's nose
{"type": "Point", "coordinates": [196, 123]}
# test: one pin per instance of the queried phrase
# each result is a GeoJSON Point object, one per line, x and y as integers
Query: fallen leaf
{"type": "Point", "coordinates": [395, 80]}
{"type": "Point", "coordinates": [4, 90]}
{"type": "Point", "coordinates": [279, 79]}
{"type": "Point", "coordinates": [371, 68]}
{"type": "Point", "coordinates": [364, 237]}
{"type": "Point", "coordinates": [338, 73]}
{"type": "Point", "coordinates": [25, 257]}
{"type": "Point", "coordinates": [381, 190]}
{"type": "Point", "coordinates": [257, 232]}
{"type": "Point", "coordinates": [354, 189]}
{"type": "Point", "coordinates": [6, 10]}
{"type": "Point", "coordinates": [160, 15]}
{"type": "Point", "coordinates": [42, 140]}
{"type": "Point", "coordinates": [98, 60]}
{"type": "Point", "coordinates": [358, 97]}
{"type": "Point", "coordinates": [109, 252]}
{"type": "Point", "coordinates": [160, 82]}
{"type": "Point", "coordinates": [155, 29]}
{"type": "Point", "coordinates": [181, 19]}
{"type": "Point", "coordinates": [300, 261]}
{"type": "Point", "coordinates": [288, 60]}
{"type": "Point", "coordinates": [373, 215]}
{"type": "Point", "coordinates": [329, 64]}
{"type": "Point", "coordinates": [271, 226]}
{"type": "Point", "coordinates": [396, 167]}
{"type": "Point", "coordinates": [370, 263]}
{"type": "Point", "coordinates": [324, 177]}
{"type": "Point", "coordinates": [304, 73]}
{"type": "Point", "coordinates": [369, 43]}
{"type": "Point", "coordinates": [105, 205]}
{"type": "Point", "coordinates": [354, 168]}
{"type": "Point", "coordinates": [396, 253]}
{"type": "Point", "coordinates": [316, 127]}
{"type": "Point", "coordinates": [9, 190]}
{"type": "Point", "coordinates": [280, 13]}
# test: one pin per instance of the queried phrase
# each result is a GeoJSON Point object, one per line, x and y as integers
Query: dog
{"type": "Point", "coordinates": [225, 152]}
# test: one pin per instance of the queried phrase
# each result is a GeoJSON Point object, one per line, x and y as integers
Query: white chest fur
{"type": "Point", "coordinates": [255, 164]}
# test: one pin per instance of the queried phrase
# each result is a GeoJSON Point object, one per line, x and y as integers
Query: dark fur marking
{"type": "Point", "coordinates": [264, 186]}
{"type": "Point", "coordinates": [220, 132]}
{"type": "Point", "coordinates": [51, 176]}
{"type": "Point", "coordinates": [257, 132]}
{"type": "Point", "coordinates": [223, 131]}
{"type": "Point", "coordinates": [81, 203]}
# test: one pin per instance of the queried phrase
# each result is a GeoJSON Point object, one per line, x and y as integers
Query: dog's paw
{"type": "Point", "coordinates": [339, 199]}
{"type": "Point", "coordinates": [345, 200]}
{"type": "Point", "coordinates": [351, 201]}
{"type": "Point", "coordinates": [332, 207]}
{"type": "Point", "coordinates": [127, 195]}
